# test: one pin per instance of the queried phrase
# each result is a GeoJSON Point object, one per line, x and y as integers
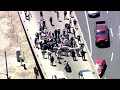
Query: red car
{"type": "Point", "coordinates": [101, 33]}
{"type": "Point", "coordinates": [100, 65]}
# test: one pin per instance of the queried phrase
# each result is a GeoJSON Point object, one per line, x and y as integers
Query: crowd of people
{"type": "Point", "coordinates": [61, 42]}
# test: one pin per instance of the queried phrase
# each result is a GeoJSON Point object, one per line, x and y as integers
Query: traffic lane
{"type": "Point", "coordinates": [82, 22]}
{"type": "Point", "coordinates": [99, 52]}
{"type": "Point", "coordinates": [114, 21]}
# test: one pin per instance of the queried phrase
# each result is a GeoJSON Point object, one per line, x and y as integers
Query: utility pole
{"type": "Point", "coordinates": [6, 65]}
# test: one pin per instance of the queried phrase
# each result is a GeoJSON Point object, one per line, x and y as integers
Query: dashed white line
{"type": "Point", "coordinates": [111, 32]}
{"type": "Point", "coordinates": [112, 56]}
{"type": "Point", "coordinates": [107, 12]}
{"type": "Point", "coordinates": [89, 33]}
{"type": "Point", "coordinates": [119, 31]}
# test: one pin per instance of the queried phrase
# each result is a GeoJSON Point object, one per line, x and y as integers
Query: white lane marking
{"type": "Point", "coordinates": [119, 31]}
{"type": "Point", "coordinates": [107, 12]}
{"type": "Point", "coordinates": [112, 56]}
{"type": "Point", "coordinates": [105, 78]}
{"type": "Point", "coordinates": [111, 32]}
{"type": "Point", "coordinates": [89, 33]}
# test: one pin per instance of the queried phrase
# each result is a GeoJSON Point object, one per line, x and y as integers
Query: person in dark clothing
{"type": "Point", "coordinates": [52, 60]}
{"type": "Point", "coordinates": [83, 54]}
{"type": "Point", "coordinates": [68, 28]}
{"type": "Point", "coordinates": [36, 43]}
{"type": "Point", "coordinates": [41, 14]}
{"type": "Point", "coordinates": [58, 16]}
{"type": "Point", "coordinates": [51, 21]}
{"type": "Point", "coordinates": [73, 55]}
{"type": "Point", "coordinates": [44, 25]}
{"type": "Point", "coordinates": [75, 24]}
{"type": "Point", "coordinates": [56, 33]}
{"type": "Point", "coordinates": [78, 38]}
{"type": "Point", "coordinates": [65, 14]}
{"type": "Point", "coordinates": [37, 35]}
{"type": "Point", "coordinates": [74, 32]}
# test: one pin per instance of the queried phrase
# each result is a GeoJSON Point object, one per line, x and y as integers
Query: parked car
{"type": "Point", "coordinates": [59, 75]}
{"type": "Point", "coordinates": [100, 65]}
{"type": "Point", "coordinates": [93, 13]}
{"type": "Point", "coordinates": [101, 33]}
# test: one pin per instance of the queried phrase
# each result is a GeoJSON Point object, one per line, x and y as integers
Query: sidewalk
{"type": "Point", "coordinates": [48, 70]}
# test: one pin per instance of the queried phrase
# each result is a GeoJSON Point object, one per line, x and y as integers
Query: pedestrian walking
{"type": "Point", "coordinates": [51, 21]}
{"type": "Point", "coordinates": [69, 28]}
{"type": "Point", "coordinates": [65, 15]}
{"type": "Point", "coordinates": [83, 54]}
{"type": "Point", "coordinates": [73, 55]}
{"type": "Point", "coordinates": [52, 60]}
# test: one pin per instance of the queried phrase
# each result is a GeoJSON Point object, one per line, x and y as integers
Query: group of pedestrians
{"type": "Point", "coordinates": [61, 42]}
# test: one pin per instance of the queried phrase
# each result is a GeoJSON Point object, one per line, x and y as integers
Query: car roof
{"type": "Point", "coordinates": [87, 74]}
{"type": "Point", "coordinates": [91, 12]}
{"type": "Point", "coordinates": [60, 74]}
{"type": "Point", "coordinates": [99, 61]}
{"type": "Point", "coordinates": [100, 28]}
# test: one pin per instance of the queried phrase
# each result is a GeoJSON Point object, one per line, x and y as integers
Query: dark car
{"type": "Point", "coordinates": [101, 33]}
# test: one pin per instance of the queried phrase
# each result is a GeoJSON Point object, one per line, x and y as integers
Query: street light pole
{"type": "Point", "coordinates": [6, 65]}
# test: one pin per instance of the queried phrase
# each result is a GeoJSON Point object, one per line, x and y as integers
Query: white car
{"type": "Point", "coordinates": [59, 75]}
{"type": "Point", "coordinates": [93, 13]}
{"type": "Point", "coordinates": [86, 74]}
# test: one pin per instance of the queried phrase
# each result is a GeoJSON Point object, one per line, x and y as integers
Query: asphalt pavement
{"type": "Point", "coordinates": [111, 54]}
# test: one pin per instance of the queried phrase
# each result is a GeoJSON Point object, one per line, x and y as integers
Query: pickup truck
{"type": "Point", "coordinates": [101, 33]}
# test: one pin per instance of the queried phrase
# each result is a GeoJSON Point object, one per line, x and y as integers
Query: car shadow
{"type": "Point", "coordinates": [103, 71]}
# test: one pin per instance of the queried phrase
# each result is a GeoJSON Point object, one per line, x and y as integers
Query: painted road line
{"type": "Point", "coordinates": [111, 32]}
{"type": "Point", "coordinates": [119, 31]}
{"type": "Point", "coordinates": [112, 56]}
{"type": "Point", "coordinates": [107, 12]}
{"type": "Point", "coordinates": [89, 33]}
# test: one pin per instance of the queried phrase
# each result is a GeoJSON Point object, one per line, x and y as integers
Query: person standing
{"type": "Point", "coordinates": [41, 14]}
{"type": "Point", "coordinates": [44, 24]}
{"type": "Point", "coordinates": [75, 24]}
{"type": "Point", "coordinates": [73, 55]}
{"type": "Point", "coordinates": [58, 16]}
{"type": "Point", "coordinates": [65, 15]}
{"type": "Point", "coordinates": [52, 60]}
{"type": "Point", "coordinates": [51, 21]}
{"type": "Point", "coordinates": [83, 54]}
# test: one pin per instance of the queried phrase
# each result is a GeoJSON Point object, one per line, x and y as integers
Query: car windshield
{"type": "Point", "coordinates": [101, 33]}
{"type": "Point", "coordinates": [98, 67]}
